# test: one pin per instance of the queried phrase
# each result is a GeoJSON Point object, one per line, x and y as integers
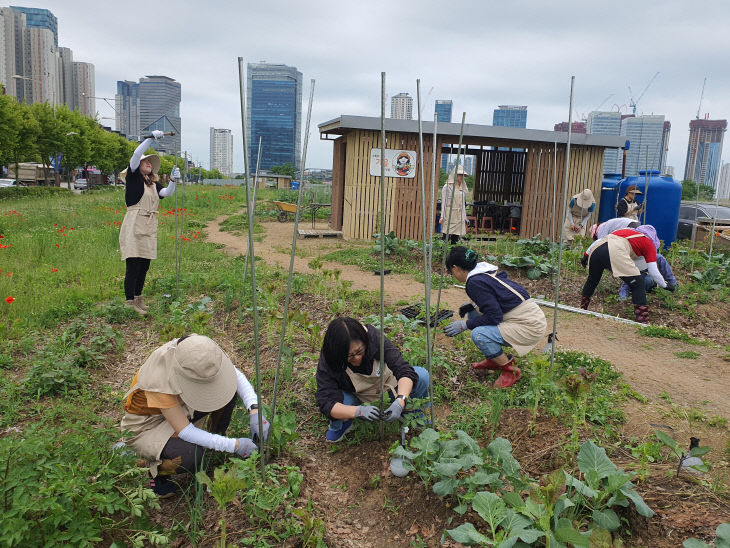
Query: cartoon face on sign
{"type": "Point", "coordinates": [403, 164]}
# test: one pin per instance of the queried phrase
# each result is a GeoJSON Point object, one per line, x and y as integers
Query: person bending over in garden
{"type": "Point", "coordinates": [649, 284]}
{"type": "Point", "coordinates": [348, 377]}
{"type": "Point", "coordinates": [500, 313]}
{"type": "Point", "coordinates": [604, 229]}
{"type": "Point", "coordinates": [181, 382]}
{"type": "Point", "coordinates": [580, 209]}
{"type": "Point", "coordinates": [617, 253]}
{"type": "Point", "coordinates": [138, 235]}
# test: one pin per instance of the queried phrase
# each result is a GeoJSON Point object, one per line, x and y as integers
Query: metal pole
{"type": "Point", "coordinates": [697, 197]}
{"type": "Point", "coordinates": [555, 187]}
{"type": "Point", "coordinates": [537, 182]}
{"type": "Point", "coordinates": [451, 208]}
{"type": "Point", "coordinates": [182, 218]}
{"type": "Point", "coordinates": [381, 372]}
{"type": "Point", "coordinates": [255, 185]}
{"type": "Point", "coordinates": [178, 240]}
{"type": "Point", "coordinates": [565, 198]}
{"type": "Point", "coordinates": [646, 182]}
{"type": "Point", "coordinates": [426, 265]}
{"type": "Point", "coordinates": [295, 233]}
{"type": "Point", "coordinates": [254, 300]}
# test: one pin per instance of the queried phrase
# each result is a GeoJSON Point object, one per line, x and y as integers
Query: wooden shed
{"type": "Point", "coordinates": [501, 174]}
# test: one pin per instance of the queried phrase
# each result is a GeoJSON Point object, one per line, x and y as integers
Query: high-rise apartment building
{"type": "Point", "coordinates": [11, 49]}
{"type": "Point", "coordinates": [645, 137]}
{"type": "Point", "coordinates": [40, 18]}
{"type": "Point", "coordinates": [221, 151]}
{"type": "Point", "coordinates": [66, 77]}
{"type": "Point", "coordinates": [153, 103]}
{"type": "Point", "coordinates": [606, 123]}
{"type": "Point", "coordinates": [510, 116]}
{"type": "Point", "coordinates": [578, 127]}
{"type": "Point", "coordinates": [40, 67]}
{"type": "Point", "coordinates": [273, 115]}
{"type": "Point", "coordinates": [84, 88]}
{"type": "Point", "coordinates": [443, 110]}
{"type": "Point", "coordinates": [704, 150]}
{"type": "Point", "coordinates": [401, 107]}
{"type": "Point", "coordinates": [723, 185]}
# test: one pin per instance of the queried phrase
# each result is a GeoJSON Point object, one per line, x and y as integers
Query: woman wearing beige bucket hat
{"type": "Point", "coordinates": [453, 217]}
{"type": "Point", "coordinates": [138, 235]}
{"type": "Point", "coordinates": [580, 209]}
{"type": "Point", "coordinates": [181, 382]}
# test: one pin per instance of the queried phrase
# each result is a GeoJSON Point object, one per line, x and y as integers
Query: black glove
{"type": "Point", "coordinates": [584, 261]}
{"type": "Point", "coordinates": [465, 308]}
{"type": "Point", "coordinates": [671, 287]}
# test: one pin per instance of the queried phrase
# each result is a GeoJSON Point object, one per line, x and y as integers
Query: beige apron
{"type": "Point", "coordinates": [152, 432]}
{"type": "Point", "coordinates": [575, 216]}
{"type": "Point", "coordinates": [138, 235]}
{"type": "Point", "coordinates": [458, 214]}
{"type": "Point", "coordinates": [367, 387]}
{"type": "Point", "coordinates": [621, 254]}
{"type": "Point", "coordinates": [524, 326]}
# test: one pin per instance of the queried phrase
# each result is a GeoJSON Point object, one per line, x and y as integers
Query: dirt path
{"type": "Point", "coordinates": [649, 365]}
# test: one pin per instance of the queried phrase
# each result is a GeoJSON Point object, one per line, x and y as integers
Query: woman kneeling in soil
{"type": "Point", "coordinates": [504, 314]}
{"type": "Point", "coordinates": [181, 382]}
{"type": "Point", "coordinates": [348, 376]}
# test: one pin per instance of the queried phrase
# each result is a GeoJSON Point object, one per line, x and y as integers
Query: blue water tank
{"type": "Point", "coordinates": [295, 185]}
{"type": "Point", "coordinates": [662, 196]}
{"type": "Point", "coordinates": [609, 196]}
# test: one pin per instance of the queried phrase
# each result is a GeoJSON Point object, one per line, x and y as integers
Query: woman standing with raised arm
{"type": "Point", "coordinates": [138, 235]}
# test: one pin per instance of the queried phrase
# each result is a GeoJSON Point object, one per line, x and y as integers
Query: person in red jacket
{"type": "Point", "coordinates": [617, 253]}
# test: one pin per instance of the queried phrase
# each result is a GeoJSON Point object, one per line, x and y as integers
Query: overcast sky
{"type": "Point", "coordinates": [478, 53]}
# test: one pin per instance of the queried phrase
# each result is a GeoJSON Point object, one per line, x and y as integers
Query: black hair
{"type": "Point", "coordinates": [462, 257]}
{"type": "Point", "coordinates": [341, 332]}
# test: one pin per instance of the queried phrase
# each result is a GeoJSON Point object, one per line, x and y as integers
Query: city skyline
{"type": "Point", "coordinates": [348, 82]}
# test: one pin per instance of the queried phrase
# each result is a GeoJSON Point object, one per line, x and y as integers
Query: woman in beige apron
{"type": "Point", "coordinates": [138, 235]}
{"type": "Point", "coordinates": [616, 253]}
{"type": "Point", "coordinates": [628, 206]}
{"type": "Point", "coordinates": [453, 218]}
{"type": "Point", "coordinates": [348, 377]}
{"type": "Point", "coordinates": [580, 208]}
{"type": "Point", "coordinates": [500, 313]}
{"type": "Point", "coordinates": [182, 382]}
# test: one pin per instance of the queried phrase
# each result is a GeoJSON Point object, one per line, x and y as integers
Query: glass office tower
{"type": "Point", "coordinates": [274, 114]}
{"type": "Point", "coordinates": [443, 114]}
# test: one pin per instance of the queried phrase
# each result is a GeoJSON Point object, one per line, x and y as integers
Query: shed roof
{"type": "Point", "coordinates": [345, 123]}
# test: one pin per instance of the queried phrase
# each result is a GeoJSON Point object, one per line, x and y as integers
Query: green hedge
{"type": "Point", "coordinates": [7, 193]}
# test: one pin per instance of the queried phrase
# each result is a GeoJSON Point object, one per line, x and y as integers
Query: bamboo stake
{"type": "Point", "coordinates": [565, 198]}
{"type": "Point", "coordinates": [717, 203]}
{"type": "Point", "coordinates": [254, 300]}
{"type": "Point", "coordinates": [555, 187]}
{"type": "Point", "coordinates": [255, 185]}
{"type": "Point", "coordinates": [381, 371]}
{"type": "Point", "coordinates": [426, 265]}
{"type": "Point", "coordinates": [295, 233]}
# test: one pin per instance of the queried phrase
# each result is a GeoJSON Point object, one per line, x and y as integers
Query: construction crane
{"type": "Point", "coordinates": [702, 96]}
{"type": "Point", "coordinates": [603, 102]}
{"type": "Point", "coordinates": [632, 102]}
{"type": "Point", "coordinates": [584, 117]}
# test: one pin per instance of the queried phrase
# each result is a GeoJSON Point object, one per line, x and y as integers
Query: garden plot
{"type": "Point", "coordinates": [316, 493]}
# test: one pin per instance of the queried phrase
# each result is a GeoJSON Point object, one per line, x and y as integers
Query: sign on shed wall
{"type": "Point", "coordinates": [398, 163]}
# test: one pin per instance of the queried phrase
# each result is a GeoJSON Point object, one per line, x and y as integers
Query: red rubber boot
{"type": "Point", "coordinates": [584, 302]}
{"type": "Point", "coordinates": [486, 364]}
{"type": "Point", "coordinates": [510, 375]}
{"type": "Point", "coordinates": [641, 313]}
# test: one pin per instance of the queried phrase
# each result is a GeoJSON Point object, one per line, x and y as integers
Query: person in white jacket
{"type": "Point", "coordinates": [453, 206]}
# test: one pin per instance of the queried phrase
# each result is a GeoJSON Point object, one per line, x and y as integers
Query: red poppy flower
{"type": "Point", "coordinates": [1, 236]}
{"type": "Point", "coordinates": [9, 299]}
{"type": "Point", "coordinates": [55, 224]}
{"type": "Point", "coordinates": [58, 245]}
{"type": "Point", "coordinates": [72, 228]}
{"type": "Point", "coordinates": [9, 274]}
{"type": "Point", "coordinates": [54, 270]}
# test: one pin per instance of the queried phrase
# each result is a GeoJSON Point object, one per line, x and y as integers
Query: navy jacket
{"type": "Point", "coordinates": [134, 187]}
{"type": "Point", "coordinates": [492, 299]}
{"type": "Point", "coordinates": [332, 383]}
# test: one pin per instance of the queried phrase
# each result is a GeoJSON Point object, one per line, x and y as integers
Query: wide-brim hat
{"type": "Point", "coordinates": [585, 199]}
{"type": "Point", "coordinates": [633, 188]}
{"type": "Point", "coordinates": [154, 162]}
{"type": "Point", "coordinates": [459, 170]}
{"type": "Point", "coordinates": [205, 375]}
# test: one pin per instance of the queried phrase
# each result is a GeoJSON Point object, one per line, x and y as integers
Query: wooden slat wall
{"type": "Point", "coordinates": [499, 176]}
{"type": "Point", "coordinates": [408, 213]}
{"type": "Point", "coordinates": [586, 171]}
{"type": "Point", "coordinates": [338, 182]}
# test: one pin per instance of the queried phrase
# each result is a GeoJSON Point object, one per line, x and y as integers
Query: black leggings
{"type": "Point", "coordinates": [453, 238]}
{"type": "Point", "coordinates": [135, 275]}
{"type": "Point", "coordinates": [191, 455]}
{"type": "Point", "coordinates": [600, 260]}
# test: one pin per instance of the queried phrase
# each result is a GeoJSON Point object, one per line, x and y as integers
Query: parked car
{"type": "Point", "coordinates": [689, 212]}
{"type": "Point", "coordinates": [5, 183]}
{"type": "Point", "coordinates": [80, 184]}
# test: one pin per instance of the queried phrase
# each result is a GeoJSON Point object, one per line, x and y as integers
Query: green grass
{"type": "Point", "coordinates": [688, 355]}
{"type": "Point", "coordinates": [669, 333]}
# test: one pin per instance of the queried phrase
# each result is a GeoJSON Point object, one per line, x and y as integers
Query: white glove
{"type": "Point", "coordinates": [175, 173]}
{"type": "Point", "coordinates": [157, 134]}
